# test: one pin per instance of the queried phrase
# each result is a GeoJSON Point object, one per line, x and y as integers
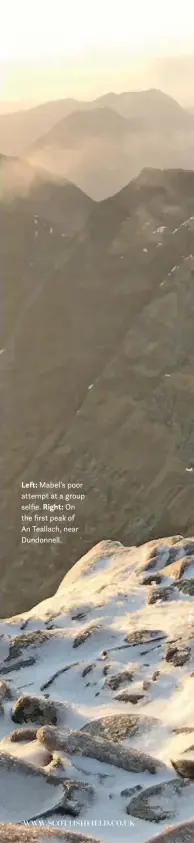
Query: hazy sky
{"type": "Point", "coordinates": [54, 48]}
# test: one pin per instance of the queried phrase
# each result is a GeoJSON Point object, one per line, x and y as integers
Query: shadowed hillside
{"type": "Point", "coordinates": [112, 310]}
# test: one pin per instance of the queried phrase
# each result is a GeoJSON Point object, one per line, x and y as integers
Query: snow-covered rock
{"type": "Point", "coordinates": [99, 681]}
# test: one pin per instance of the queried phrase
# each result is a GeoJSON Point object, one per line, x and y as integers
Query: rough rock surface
{"type": "Point", "coordinates": [5, 691]}
{"type": "Point", "coordinates": [177, 834]}
{"type": "Point", "coordinates": [125, 696]}
{"type": "Point", "coordinates": [184, 765]}
{"type": "Point", "coordinates": [82, 743]}
{"type": "Point", "coordinates": [129, 439]}
{"type": "Point", "coordinates": [34, 709]}
{"type": "Point", "coordinates": [114, 682]}
{"type": "Point", "coordinates": [156, 803]}
{"type": "Point", "coordinates": [81, 750]}
{"type": "Point", "coordinates": [118, 727]}
{"type": "Point", "coordinates": [19, 834]}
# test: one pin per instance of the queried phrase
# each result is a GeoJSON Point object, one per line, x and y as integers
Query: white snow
{"type": "Point", "coordinates": [189, 572]}
{"type": "Point", "coordinates": [183, 225]}
{"type": "Point", "coordinates": [24, 797]}
{"type": "Point", "coordinates": [190, 219]}
{"type": "Point", "coordinates": [145, 250]}
{"type": "Point", "coordinates": [105, 588]}
{"type": "Point", "coordinates": [2, 350]}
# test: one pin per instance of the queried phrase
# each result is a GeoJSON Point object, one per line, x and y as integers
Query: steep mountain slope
{"type": "Point", "coordinates": [54, 199]}
{"type": "Point", "coordinates": [20, 129]}
{"type": "Point", "coordinates": [96, 728]}
{"type": "Point", "coordinates": [92, 146]}
{"type": "Point", "coordinates": [30, 249]}
{"type": "Point", "coordinates": [80, 125]}
{"type": "Point", "coordinates": [16, 177]}
{"type": "Point", "coordinates": [97, 381]}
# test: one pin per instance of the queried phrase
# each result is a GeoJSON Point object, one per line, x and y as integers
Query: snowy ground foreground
{"type": "Point", "coordinates": [97, 701]}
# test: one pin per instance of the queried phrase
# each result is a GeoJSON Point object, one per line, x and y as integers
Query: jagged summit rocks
{"type": "Point", "coordinates": [75, 756]}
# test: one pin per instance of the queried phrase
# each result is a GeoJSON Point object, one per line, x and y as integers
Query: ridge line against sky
{"type": "Point", "coordinates": [83, 49]}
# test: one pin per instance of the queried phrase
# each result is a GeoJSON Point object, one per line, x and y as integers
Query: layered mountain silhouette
{"type": "Point", "coordinates": [20, 129]}
{"type": "Point", "coordinates": [103, 144]}
{"type": "Point", "coordinates": [149, 107]}
{"type": "Point", "coordinates": [96, 368]}
{"type": "Point", "coordinates": [81, 124]}
{"type": "Point", "coordinates": [104, 147]}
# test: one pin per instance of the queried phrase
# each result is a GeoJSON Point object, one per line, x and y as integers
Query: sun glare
{"type": "Point", "coordinates": [38, 29]}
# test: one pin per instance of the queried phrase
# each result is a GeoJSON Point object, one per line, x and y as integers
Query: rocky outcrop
{"type": "Point", "coordinates": [126, 696]}
{"type": "Point", "coordinates": [184, 765]}
{"type": "Point", "coordinates": [82, 739]}
{"type": "Point", "coordinates": [157, 804]}
{"type": "Point", "coordinates": [114, 681]}
{"type": "Point", "coordinates": [6, 693]}
{"type": "Point", "coordinates": [145, 636]}
{"type": "Point", "coordinates": [158, 594]}
{"type": "Point", "coordinates": [36, 710]}
{"type": "Point", "coordinates": [82, 743]}
{"type": "Point", "coordinates": [20, 643]}
{"type": "Point", "coordinates": [186, 586]}
{"type": "Point", "coordinates": [177, 655]}
{"type": "Point", "coordinates": [119, 727]}
{"type": "Point", "coordinates": [142, 405]}
{"type": "Point", "coordinates": [19, 834]}
{"type": "Point", "coordinates": [176, 834]}
{"type": "Point", "coordinates": [20, 735]}
{"type": "Point", "coordinates": [18, 664]}
{"type": "Point", "coordinates": [84, 634]}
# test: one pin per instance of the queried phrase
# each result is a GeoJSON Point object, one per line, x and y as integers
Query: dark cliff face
{"type": "Point", "coordinates": [110, 306]}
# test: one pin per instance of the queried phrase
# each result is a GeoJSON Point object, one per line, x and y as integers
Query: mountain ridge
{"type": "Point", "coordinates": [129, 271]}
{"type": "Point", "coordinates": [103, 147]}
{"type": "Point", "coordinates": [97, 120]}
{"type": "Point", "coordinates": [12, 126]}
